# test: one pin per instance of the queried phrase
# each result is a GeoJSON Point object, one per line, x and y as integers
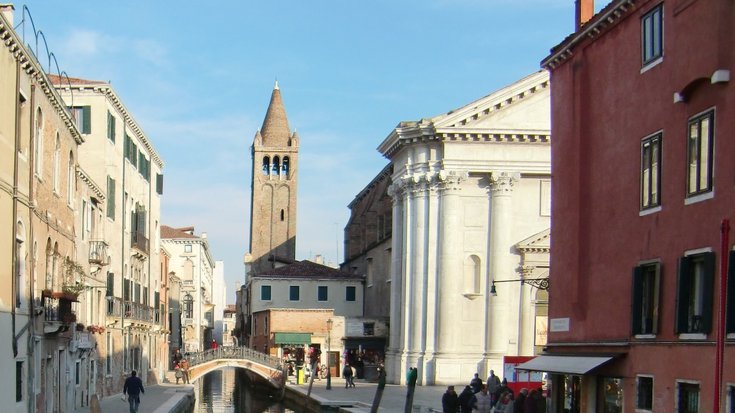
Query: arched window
{"type": "Point", "coordinates": [276, 165]}
{"type": "Point", "coordinates": [38, 152]}
{"type": "Point", "coordinates": [71, 179]}
{"type": "Point", "coordinates": [284, 166]}
{"type": "Point", "coordinates": [266, 165]}
{"type": "Point", "coordinates": [20, 265]}
{"type": "Point", "coordinates": [472, 274]}
{"type": "Point", "coordinates": [57, 163]}
{"type": "Point", "coordinates": [188, 306]}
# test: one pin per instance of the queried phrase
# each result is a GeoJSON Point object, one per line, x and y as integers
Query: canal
{"type": "Point", "coordinates": [228, 390]}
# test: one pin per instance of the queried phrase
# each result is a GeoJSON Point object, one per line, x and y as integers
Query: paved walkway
{"type": "Point", "coordinates": [161, 398]}
{"type": "Point", "coordinates": [426, 398]}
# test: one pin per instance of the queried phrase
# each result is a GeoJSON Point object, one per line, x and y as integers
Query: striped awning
{"type": "Point", "coordinates": [293, 338]}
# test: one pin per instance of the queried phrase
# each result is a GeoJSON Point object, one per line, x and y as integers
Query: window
{"type": "Point", "coordinates": [730, 309]}
{"type": "Point", "coordinates": [77, 372]}
{"type": "Point", "coordinates": [694, 293]}
{"type": "Point", "coordinates": [644, 393]}
{"type": "Point", "coordinates": [187, 248]}
{"type": "Point", "coordinates": [730, 399]}
{"type": "Point", "coordinates": [81, 115]}
{"type": "Point", "coordinates": [645, 298]}
{"type": "Point", "coordinates": [368, 329]}
{"type": "Point", "coordinates": [131, 150]}
{"type": "Point", "coordinates": [38, 155]}
{"type": "Point", "coordinates": [687, 399]}
{"type": "Point", "coordinates": [18, 381]}
{"type": "Point", "coordinates": [652, 35]}
{"type": "Point", "coordinates": [266, 165]}
{"type": "Point", "coordinates": [110, 197]}
{"type": "Point", "coordinates": [70, 184]}
{"type": "Point", "coordinates": [265, 292]}
{"type": "Point", "coordinates": [110, 126]}
{"type": "Point", "coordinates": [284, 166]}
{"type": "Point", "coordinates": [350, 293]}
{"type": "Point", "coordinates": [283, 215]}
{"type": "Point", "coordinates": [159, 184]}
{"type": "Point", "coordinates": [57, 164]}
{"type": "Point", "coordinates": [293, 293]}
{"type": "Point", "coordinates": [610, 391]}
{"type": "Point", "coordinates": [651, 171]}
{"type": "Point", "coordinates": [701, 135]}
{"type": "Point", "coordinates": [322, 293]}
{"type": "Point", "coordinates": [188, 306]}
{"type": "Point", "coordinates": [276, 167]}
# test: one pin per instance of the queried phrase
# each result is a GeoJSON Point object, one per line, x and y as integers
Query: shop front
{"type": "Point", "coordinates": [292, 349]}
{"type": "Point", "coordinates": [366, 354]}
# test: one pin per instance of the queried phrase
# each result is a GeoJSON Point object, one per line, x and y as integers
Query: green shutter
{"type": "Point", "coordinates": [681, 324]}
{"type": "Point", "coordinates": [86, 119]}
{"type": "Point", "coordinates": [110, 197]}
{"type": "Point", "coordinates": [159, 184]}
{"type": "Point", "coordinates": [637, 300]}
{"type": "Point", "coordinates": [110, 126]}
{"type": "Point", "coordinates": [730, 324]}
{"type": "Point", "coordinates": [708, 291]}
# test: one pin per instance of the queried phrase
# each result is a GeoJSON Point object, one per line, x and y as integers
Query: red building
{"type": "Point", "coordinates": [643, 162]}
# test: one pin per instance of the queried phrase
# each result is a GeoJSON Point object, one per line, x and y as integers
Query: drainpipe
{"type": "Point", "coordinates": [122, 247]}
{"type": "Point", "coordinates": [13, 258]}
{"type": "Point", "coordinates": [32, 272]}
{"type": "Point", "coordinates": [720, 345]}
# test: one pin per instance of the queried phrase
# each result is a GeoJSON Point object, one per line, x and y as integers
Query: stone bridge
{"type": "Point", "coordinates": [268, 367]}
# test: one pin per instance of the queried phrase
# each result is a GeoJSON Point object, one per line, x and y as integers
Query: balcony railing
{"type": "Point", "coordinates": [57, 311]}
{"type": "Point", "coordinates": [98, 253]}
{"type": "Point", "coordinates": [116, 307]}
{"type": "Point", "coordinates": [139, 241]}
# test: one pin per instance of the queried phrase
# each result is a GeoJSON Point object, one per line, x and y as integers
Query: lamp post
{"type": "Point", "coordinates": [329, 343]}
{"type": "Point", "coordinates": [540, 283]}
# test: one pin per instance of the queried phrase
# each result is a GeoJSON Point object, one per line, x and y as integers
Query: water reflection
{"type": "Point", "coordinates": [228, 390]}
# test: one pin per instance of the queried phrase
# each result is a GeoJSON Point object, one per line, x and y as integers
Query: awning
{"type": "Point", "coordinates": [293, 338]}
{"type": "Point", "coordinates": [565, 364]}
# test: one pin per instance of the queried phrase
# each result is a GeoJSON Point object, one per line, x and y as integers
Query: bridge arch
{"type": "Point", "coordinates": [267, 367]}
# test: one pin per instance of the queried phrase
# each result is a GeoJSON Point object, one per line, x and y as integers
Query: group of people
{"type": "Point", "coordinates": [494, 396]}
{"type": "Point", "coordinates": [181, 368]}
{"type": "Point", "coordinates": [349, 376]}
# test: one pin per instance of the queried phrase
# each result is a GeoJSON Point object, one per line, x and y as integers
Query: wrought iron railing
{"type": "Point", "coordinates": [98, 253]}
{"type": "Point", "coordinates": [116, 307]}
{"type": "Point", "coordinates": [237, 353]}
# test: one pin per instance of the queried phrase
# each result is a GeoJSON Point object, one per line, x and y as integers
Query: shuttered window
{"type": "Point", "coordinates": [694, 293]}
{"type": "Point", "coordinates": [110, 198]}
{"type": "Point", "coordinates": [644, 314]}
{"type": "Point", "coordinates": [110, 126]}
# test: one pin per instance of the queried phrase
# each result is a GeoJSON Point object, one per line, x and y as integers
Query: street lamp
{"type": "Point", "coordinates": [540, 283]}
{"type": "Point", "coordinates": [329, 342]}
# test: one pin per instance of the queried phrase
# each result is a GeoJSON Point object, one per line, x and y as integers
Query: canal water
{"type": "Point", "coordinates": [228, 390]}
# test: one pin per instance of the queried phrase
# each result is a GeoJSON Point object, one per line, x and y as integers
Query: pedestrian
{"type": "Point", "coordinates": [520, 401]}
{"type": "Point", "coordinates": [493, 383]}
{"type": "Point", "coordinates": [529, 406]}
{"type": "Point", "coordinates": [352, 377]}
{"type": "Point", "coordinates": [476, 383]}
{"type": "Point", "coordinates": [482, 401]}
{"type": "Point", "coordinates": [465, 400]}
{"type": "Point", "coordinates": [503, 389]}
{"type": "Point", "coordinates": [133, 388]}
{"type": "Point", "coordinates": [347, 374]}
{"type": "Point", "coordinates": [178, 372]}
{"type": "Point", "coordinates": [505, 403]}
{"type": "Point", "coordinates": [177, 357]}
{"type": "Point", "coordinates": [214, 344]}
{"type": "Point", "coordinates": [450, 401]}
{"type": "Point", "coordinates": [184, 365]}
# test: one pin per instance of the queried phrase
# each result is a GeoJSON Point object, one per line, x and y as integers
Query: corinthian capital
{"type": "Point", "coordinates": [502, 182]}
{"type": "Point", "coordinates": [450, 180]}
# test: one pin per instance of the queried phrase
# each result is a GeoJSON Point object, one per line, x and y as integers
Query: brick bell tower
{"type": "Point", "coordinates": [275, 155]}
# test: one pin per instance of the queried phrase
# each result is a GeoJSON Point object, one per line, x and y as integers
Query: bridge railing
{"type": "Point", "coordinates": [236, 353]}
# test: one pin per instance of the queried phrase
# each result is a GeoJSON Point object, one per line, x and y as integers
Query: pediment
{"type": "Point", "coordinates": [523, 105]}
{"type": "Point", "coordinates": [539, 242]}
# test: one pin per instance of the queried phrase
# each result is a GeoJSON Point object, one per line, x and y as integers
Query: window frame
{"type": "Point", "coordinates": [687, 384]}
{"type": "Point", "coordinates": [646, 298]}
{"type": "Point", "coordinates": [111, 126]}
{"type": "Point", "coordinates": [350, 297]}
{"type": "Point", "coordinates": [692, 292]}
{"type": "Point", "coordinates": [650, 174]}
{"type": "Point", "coordinates": [697, 119]}
{"type": "Point", "coordinates": [294, 293]}
{"type": "Point", "coordinates": [263, 295]}
{"type": "Point", "coordinates": [650, 51]}
{"type": "Point", "coordinates": [319, 290]}
{"type": "Point", "coordinates": [638, 406]}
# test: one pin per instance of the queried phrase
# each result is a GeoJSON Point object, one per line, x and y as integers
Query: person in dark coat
{"type": "Point", "coordinates": [466, 400]}
{"type": "Point", "coordinates": [133, 387]}
{"type": "Point", "coordinates": [520, 401]}
{"type": "Point", "coordinates": [450, 401]}
{"type": "Point", "coordinates": [476, 383]}
{"type": "Point", "coordinates": [347, 374]}
{"type": "Point", "coordinates": [503, 389]}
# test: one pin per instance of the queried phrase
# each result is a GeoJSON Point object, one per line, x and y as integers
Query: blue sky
{"type": "Point", "coordinates": [198, 76]}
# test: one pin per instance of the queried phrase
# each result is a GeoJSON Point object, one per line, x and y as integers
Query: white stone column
{"type": "Point", "coordinates": [450, 262]}
{"type": "Point", "coordinates": [407, 315]}
{"type": "Point", "coordinates": [418, 275]}
{"type": "Point", "coordinates": [432, 284]}
{"type": "Point", "coordinates": [395, 348]}
{"type": "Point", "coordinates": [502, 328]}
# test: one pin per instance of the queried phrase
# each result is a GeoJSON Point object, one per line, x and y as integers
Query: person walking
{"type": "Point", "coordinates": [347, 374]}
{"type": "Point", "coordinates": [465, 400]}
{"type": "Point", "coordinates": [450, 401]}
{"type": "Point", "coordinates": [476, 383]}
{"type": "Point", "coordinates": [483, 402]}
{"type": "Point", "coordinates": [184, 365]}
{"type": "Point", "coordinates": [520, 401]}
{"type": "Point", "coordinates": [133, 387]}
{"type": "Point", "coordinates": [505, 403]}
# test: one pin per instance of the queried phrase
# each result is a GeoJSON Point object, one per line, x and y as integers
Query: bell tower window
{"type": "Point", "coordinates": [266, 165]}
{"type": "Point", "coordinates": [276, 166]}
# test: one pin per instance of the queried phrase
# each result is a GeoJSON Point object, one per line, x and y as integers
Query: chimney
{"type": "Point", "coordinates": [7, 10]}
{"type": "Point", "coordinates": [584, 10]}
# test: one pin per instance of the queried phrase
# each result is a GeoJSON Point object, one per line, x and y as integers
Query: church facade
{"type": "Point", "coordinates": [470, 194]}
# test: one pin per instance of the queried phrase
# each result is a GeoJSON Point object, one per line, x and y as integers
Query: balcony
{"type": "Point", "coordinates": [58, 314]}
{"type": "Point", "coordinates": [116, 307]}
{"type": "Point", "coordinates": [139, 241]}
{"type": "Point", "coordinates": [98, 253]}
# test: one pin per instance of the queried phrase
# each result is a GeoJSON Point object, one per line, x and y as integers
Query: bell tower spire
{"type": "Point", "coordinates": [275, 153]}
